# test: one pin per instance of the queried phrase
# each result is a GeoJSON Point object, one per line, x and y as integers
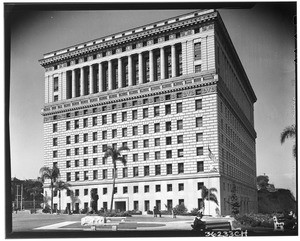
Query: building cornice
{"type": "Point", "coordinates": [125, 37]}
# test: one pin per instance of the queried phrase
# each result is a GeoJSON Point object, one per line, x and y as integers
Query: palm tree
{"type": "Point", "coordinates": [52, 174]}
{"type": "Point", "coordinates": [208, 195]}
{"type": "Point", "coordinates": [289, 132]}
{"type": "Point", "coordinates": [34, 191]}
{"type": "Point", "coordinates": [115, 155]}
{"type": "Point", "coordinates": [60, 186]}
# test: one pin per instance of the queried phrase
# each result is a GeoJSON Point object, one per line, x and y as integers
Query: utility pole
{"type": "Point", "coordinates": [21, 196]}
{"type": "Point", "coordinates": [18, 196]}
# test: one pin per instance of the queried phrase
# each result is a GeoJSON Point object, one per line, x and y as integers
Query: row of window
{"type": "Point", "coordinates": [135, 189]}
{"type": "Point", "coordinates": [199, 151]}
{"type": "Point", "coordinates": [124, 115]}
{"type": "Point", "coordinates": [136, 173]}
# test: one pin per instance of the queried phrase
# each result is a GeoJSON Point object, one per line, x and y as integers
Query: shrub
{"type": "Point", "coordinates": [194, 211]}
{"type": "Point", "coordinates": [149, 212]}
{"type": "Point", "coordinates": [180, 209]}
{"type": "Point", "coordinates": [46, 209]}
{"type": "Point", "coordinates": [113, 214]}
{"type": "Point", "coordinates": [255, 220]}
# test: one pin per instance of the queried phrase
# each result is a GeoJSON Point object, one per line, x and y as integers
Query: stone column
{"type": "Point", "coordinates": [91, 80]}
{"type": "Point", "coordinates": [141, 68]}
{"type": "Point", "coordinates": [73, 84]}
{"type": "Point", "coordinates": [162, 63]}
{"type": "Point", "coordinates": [81, 81]}
{"type": "Point", "coordinates": [173, 60]}
{"type": "Point", "coordinates": [120, 84]}
{"type": "Point", "coordinates": [100, 79]}
{"type": "Point", "coordinates": [151, 66]}
{"type": "Point", "coordinates": [110, 84]}
{"type": "Point", "coordinates": [129, 70]}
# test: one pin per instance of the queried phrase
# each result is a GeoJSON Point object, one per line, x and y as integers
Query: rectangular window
{"type": "Point", "coordinates": [198, 104]}
{"type": "Point", "coordinates": [85, 162]}
{"type": "Point", "coordinates": [199, 151]}
{"type": "Point", "coordinates": [85, 122]}
{"type": "Point", "coordinates": [146, 171]}
{"type": "Point", "coordinates": [200, 166]}
{"type": "Point", "coordinates": [180, 152]}
{"type": "Point", "coordinates": [135, 157]}
{"type": "Point", "coordinates": [124, 116]}
{"type": "Point", "coordinates": [178, 107]}
{"type": "Point", "coordinates": [86, 192]}
{"type": "Point", "coordinates": [68, 176]}
{"type": "Point", "coordinates": [104, 119]}
{"type": "Point", "coordinates": [104, 148]}
{"type": "Point", "coordinates": [134, 115]}
{"type": "Point", "coordinates": [85, 137]}
{"type": "Point", "coordinates": [76, 151]}
{"type": "Point", "coordinates": [134, 130]}
{"type": "Point", "coordinates": [169, 169]}
{"type": "Point", "coordinates": [157, 188]}
{"type": "Point", "coordinates": [54, 154]}
{"type": "Point", "coordinates": [197, 68]}
{"type": "Point", "coordinates": [125, 189]}
{"type": "Point", "coordinates": [146, 188]}
{"type": "Point", "coordinates": [134, 144]}
{"type": "Point", "coordinates": [135, 171]}
{"type": "Point", "coordinates": [95, 161]}
{"type": "Point", "coordinates": [104, 191]}
{"type": "Point", "coordinates": [76, 137]}
{"type": "Point", "coordinates": [55, 141]}
{"type": "Point", "coordinates": [135, 189]}
{"type": "Point", "coordinates": [157, 169]}
{"type": "Point", "coordinates": [114, 133]}
{"type": "Point", "coordinates": [125, 172]}
{"type": "Point", "coordinates": [197, 51]}
{"type": "Point", "coordinates": [156, 111]}
{"type": "Point", "coordinates": [156, 127]}
{"type": "Point", "coordinates": [146, 156]}
{"type": "Point", "coordinates": [85, 150]}
{"type": "Point", "coordinates": [85, 175]}
{"type": "Point", "coordinates": [68, 125]}
{"type": "Point", "coordinates": [124, 132]}
{"type": "Point", "coordinates": [94, 120]}
{"type": "Point", "coordinates": [76, 192]}
{"type": "Point", "coordinates": [54, 127]}
{"type": "Point", "coordinates": [145, 113]}
{"type": "Point", "coordinates": [199, 137]}
{"type": "Point", "coordinates": [55, 84]}
{"type": "Point", "coordinates": [168, 109]}
{"type": "Point", "coordinates": [146, 143]}
{"type": "Point", "coordinates": [68, 164]}
{"type": "Point", "coordinates": [68, 152]}
{"type": "Point", "coordinates": [180, 187]}
{"type": "Point", "coordinates": [146, 129]}
{"type": "Point", "coordinates": [76, 124]}
{"type": "Point", "coordinates": [114, 118]}
{"type": "Point", "coordinates": [157, 155]}
{"type": "Point", "coordinates": [104, 135]}
{"type": "Point", "coordinates": [76, 176]}
{"type": "Point", "coordinates": [199, 122]}
{"type": "Point", "coordinates": [180, 139]}
{"type": "Point", "coordinates": [180, 167]}
{"type": "Point", "coordinates": [200, 185]}
{"type": "Point", "coordinates": [168, 140]}
{"type": "Point", "coordinates": [76, 163]}
{"type": "Point", "coordinates": [95, 136]}
{"type": "Point", "coordinates": [169, 154]}
{"type": "Point", "coordinates": [157, 142]}
{"type": "Point", "coordinates": [104, 173]}
{"type": "Point", "coordinates": [169, 187]}
{"type": "Point", "coordinates": [179, 124]}
{"type": "Point", "coordinates": [168, 126]}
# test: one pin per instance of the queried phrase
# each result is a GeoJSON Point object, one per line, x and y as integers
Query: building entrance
{"type": "Point", "coordinates": [120, 206]}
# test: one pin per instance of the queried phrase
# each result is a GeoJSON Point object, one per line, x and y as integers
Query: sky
{"type": "Point", "coordinates": [264, 40]}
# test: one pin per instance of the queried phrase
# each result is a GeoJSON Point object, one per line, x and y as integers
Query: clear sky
{"type": "Point", "coordinates": [263, 37]}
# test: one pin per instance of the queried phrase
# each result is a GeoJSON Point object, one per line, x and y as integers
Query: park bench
{"type": "Point", "coordinates": [278, 223]}
{"type": "Point", "coordinates": [99, 221]}
{"type": "Point", "coordinates": [218, 226]}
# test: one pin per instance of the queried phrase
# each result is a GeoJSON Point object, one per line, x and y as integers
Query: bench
{"type": "Point", "coordinates": [99, 221]}
{"type": "Point", "coordinates": [218, 226]}
{"type": "Point", "coordinates": [278, 224]}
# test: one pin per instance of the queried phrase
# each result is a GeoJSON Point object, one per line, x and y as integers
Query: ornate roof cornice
{"type": "Point", "coordinates": [128, 36]}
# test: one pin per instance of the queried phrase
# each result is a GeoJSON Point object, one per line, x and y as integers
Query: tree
{"type": "Point", "coordinates": [208, 195]}
{"type": "Point", "coordinates": [262, 182]}
{"type": "Point", "coordinates": [60, 186]}
{"type": "Point", "coordinates": [115, 155]}
{"type": "Point", "coordinates": [289, 132]}
{"type": "Point", "coordinates": [52, 175]}
{"type": "Point", "coordinates": [34, 191]}
{"type": "Point", "coordinates": [234, 201]}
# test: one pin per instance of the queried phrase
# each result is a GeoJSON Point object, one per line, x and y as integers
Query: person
{"type": "Point", "coordinates": [198, 224]}
{"type": "Point", "coordinates": [154, 212]}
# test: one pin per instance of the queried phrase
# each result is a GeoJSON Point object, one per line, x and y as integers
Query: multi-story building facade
{"type": "Point", "coordinates": [174, 92]}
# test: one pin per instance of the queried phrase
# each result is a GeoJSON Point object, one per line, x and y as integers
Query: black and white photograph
{"type": "Point", "coordinates": [164, 119]}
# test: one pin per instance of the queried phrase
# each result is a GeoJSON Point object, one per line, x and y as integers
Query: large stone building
{"type": "Point", "coordinates": [176, 93]}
